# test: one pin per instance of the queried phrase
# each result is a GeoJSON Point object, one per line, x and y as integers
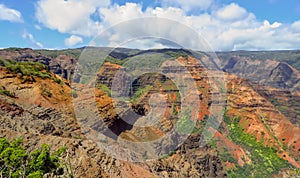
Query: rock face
{"type": "Point", "coordinates": [286, 101]}
{"type": "Point", "coordinates": [190, 161]}
{"type": "Point", "coordinates": [26, 55]}
{"type": "Point", "coordinates": [40, 118]}
{"type": "Point", "coordinates": [261, 119]}
{"type": "Point", "coordinates": [63, 65]}
{"type": "Point", "coordinates": [265, 72]}
{"type": "Point", "coordinates": [277, 81]}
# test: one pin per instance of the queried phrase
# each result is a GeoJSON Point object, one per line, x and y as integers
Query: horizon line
{"type": "Point", "coordinates": [171, 48]}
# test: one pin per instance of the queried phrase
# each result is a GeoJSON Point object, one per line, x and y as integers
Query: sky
{"type": "Point", "coordinates": [224, 25]}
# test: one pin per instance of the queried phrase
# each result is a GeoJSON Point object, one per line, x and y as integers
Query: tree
{"type": "Point", "coordinates": [16, 162]}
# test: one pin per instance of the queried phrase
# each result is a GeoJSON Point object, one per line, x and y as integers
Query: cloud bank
{"type": "Point", "coordinates": [225, 27]}
{"type": "Point", "coordinates": [71, 16]}
{"type": "Point", "coordinates": [188, 5]}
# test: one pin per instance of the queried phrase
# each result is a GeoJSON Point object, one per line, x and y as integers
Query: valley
{"type": "Point", "coordinates": [155, 113]}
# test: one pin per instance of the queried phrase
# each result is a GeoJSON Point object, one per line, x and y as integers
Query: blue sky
{"type": "Point", "coordinates": [225, 24]}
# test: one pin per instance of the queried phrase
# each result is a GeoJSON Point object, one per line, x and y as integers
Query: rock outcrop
{"type": "Point", "coordinates": [43, 118]}
{"type": "Point", "coordinates": [264, 72]}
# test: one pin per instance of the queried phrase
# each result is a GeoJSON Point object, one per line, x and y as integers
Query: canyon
{"type": "Point", "coordinates": [97, 110]}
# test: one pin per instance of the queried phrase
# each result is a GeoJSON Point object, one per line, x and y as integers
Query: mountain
{"type": "Point", "coordinates": [290, 57]}
{"type": "Point", "coordinates": [265, 72]}
{"type": "Point", "coordinates": [50, 97]}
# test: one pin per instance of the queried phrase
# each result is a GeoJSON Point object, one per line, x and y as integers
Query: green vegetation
{"type": "Point", "coordinates": [174, 110]}
{"type": "Point", "coordinates": [74, 94]}
{"type": "Point", "coordinates": [197, 129]}
{"type": "Point", "coordinates": [114, 60]}
{"type": "Point", "coordinates": [265, 161]}
{"type": "Point", "coordinates": [167, 84]}
{"type": "Point", "coordinates": [206, 122]}
{"type": "Point", "coordinates": [145, 61]}
{"type": "Point", "coordinates": [154, 55]}
{"type": "Point", "coordinates": [140, 93]}
{"type": "Point", "coordinates": [75, 53]}
{"type": "Point", "coordinates": [16, 162]}
{"type": "Point", "coordinates": [185, 125]}
{"type": "Point", "coordinates": [212, 143]}
{"type": "Point", "coordinates": [175, 55]}
{"type": "Point", "coordinates": [167, 155]}
{"type": "Point", "coordinates": [200, 125]}
{"type": "Point", "coordinates": [290, 108]}
{"type": "Point", "coordinates": [25, 69]}
{"type": "Point", "coordinates": [8, 93]}
{"type": "Point", "coordinates": [45, 91]}
{"type": "Point", "coordinates": [104, 88]}
{"type": "Point", "coordinates": [16, 49]}
{"type": "Point", "coordinates": [225, 155]}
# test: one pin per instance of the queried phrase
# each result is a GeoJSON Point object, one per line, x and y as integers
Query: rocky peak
{"type": "Point", "coordinates": [265, 72]}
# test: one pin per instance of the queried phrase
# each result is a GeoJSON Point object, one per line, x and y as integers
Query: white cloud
{"type": "Point", "coordinates": [11, 15]}
{"type": "Point", "coordinates": [37, 27]}
{"type": "Point", "coordinates": [230, 27]}
{"type": "Point", "coordinates": [146, 43]}
{"type": "Point", "coordinates": [296, 26]}
{"type": "Point", "coordinates": [70, 16]}
{"type": "Point", "coordinates": [73, 40]}
{"type": "Point", "coordinates": [32, 40]}
{"type": "Point", "coordinates": [148, 25]}
{"type": "Point", "coordinates": [188, 5]}
{"type": "Point", "coordinates": [117, 14]}
{"type": "Point", "coordinates": [168, 13]}
{"type": "Point", "coordinates": [232, 12]}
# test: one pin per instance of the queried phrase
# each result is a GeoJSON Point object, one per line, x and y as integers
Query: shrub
{"type": "Point", "coordinates": [8, 93]}
{"type": "Point", "coordinates": [105, 89]}
{"type": "Point", "coordinates": [15, 162]}
{"type": "Point", "coordinates": [25, 69]}
{"type": "Point", "coordinates": [45, 91]}
{"type": "Point", "coordinates": [140, 93]}
{"type": "Point", "coordinates": [185, 125]}
{"type": "Point", "coordinates": [225, 155]}
{"type": "Point", "coordinates": [74, 94]}
{"type": "Point", "coordinates": [265, 161]}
